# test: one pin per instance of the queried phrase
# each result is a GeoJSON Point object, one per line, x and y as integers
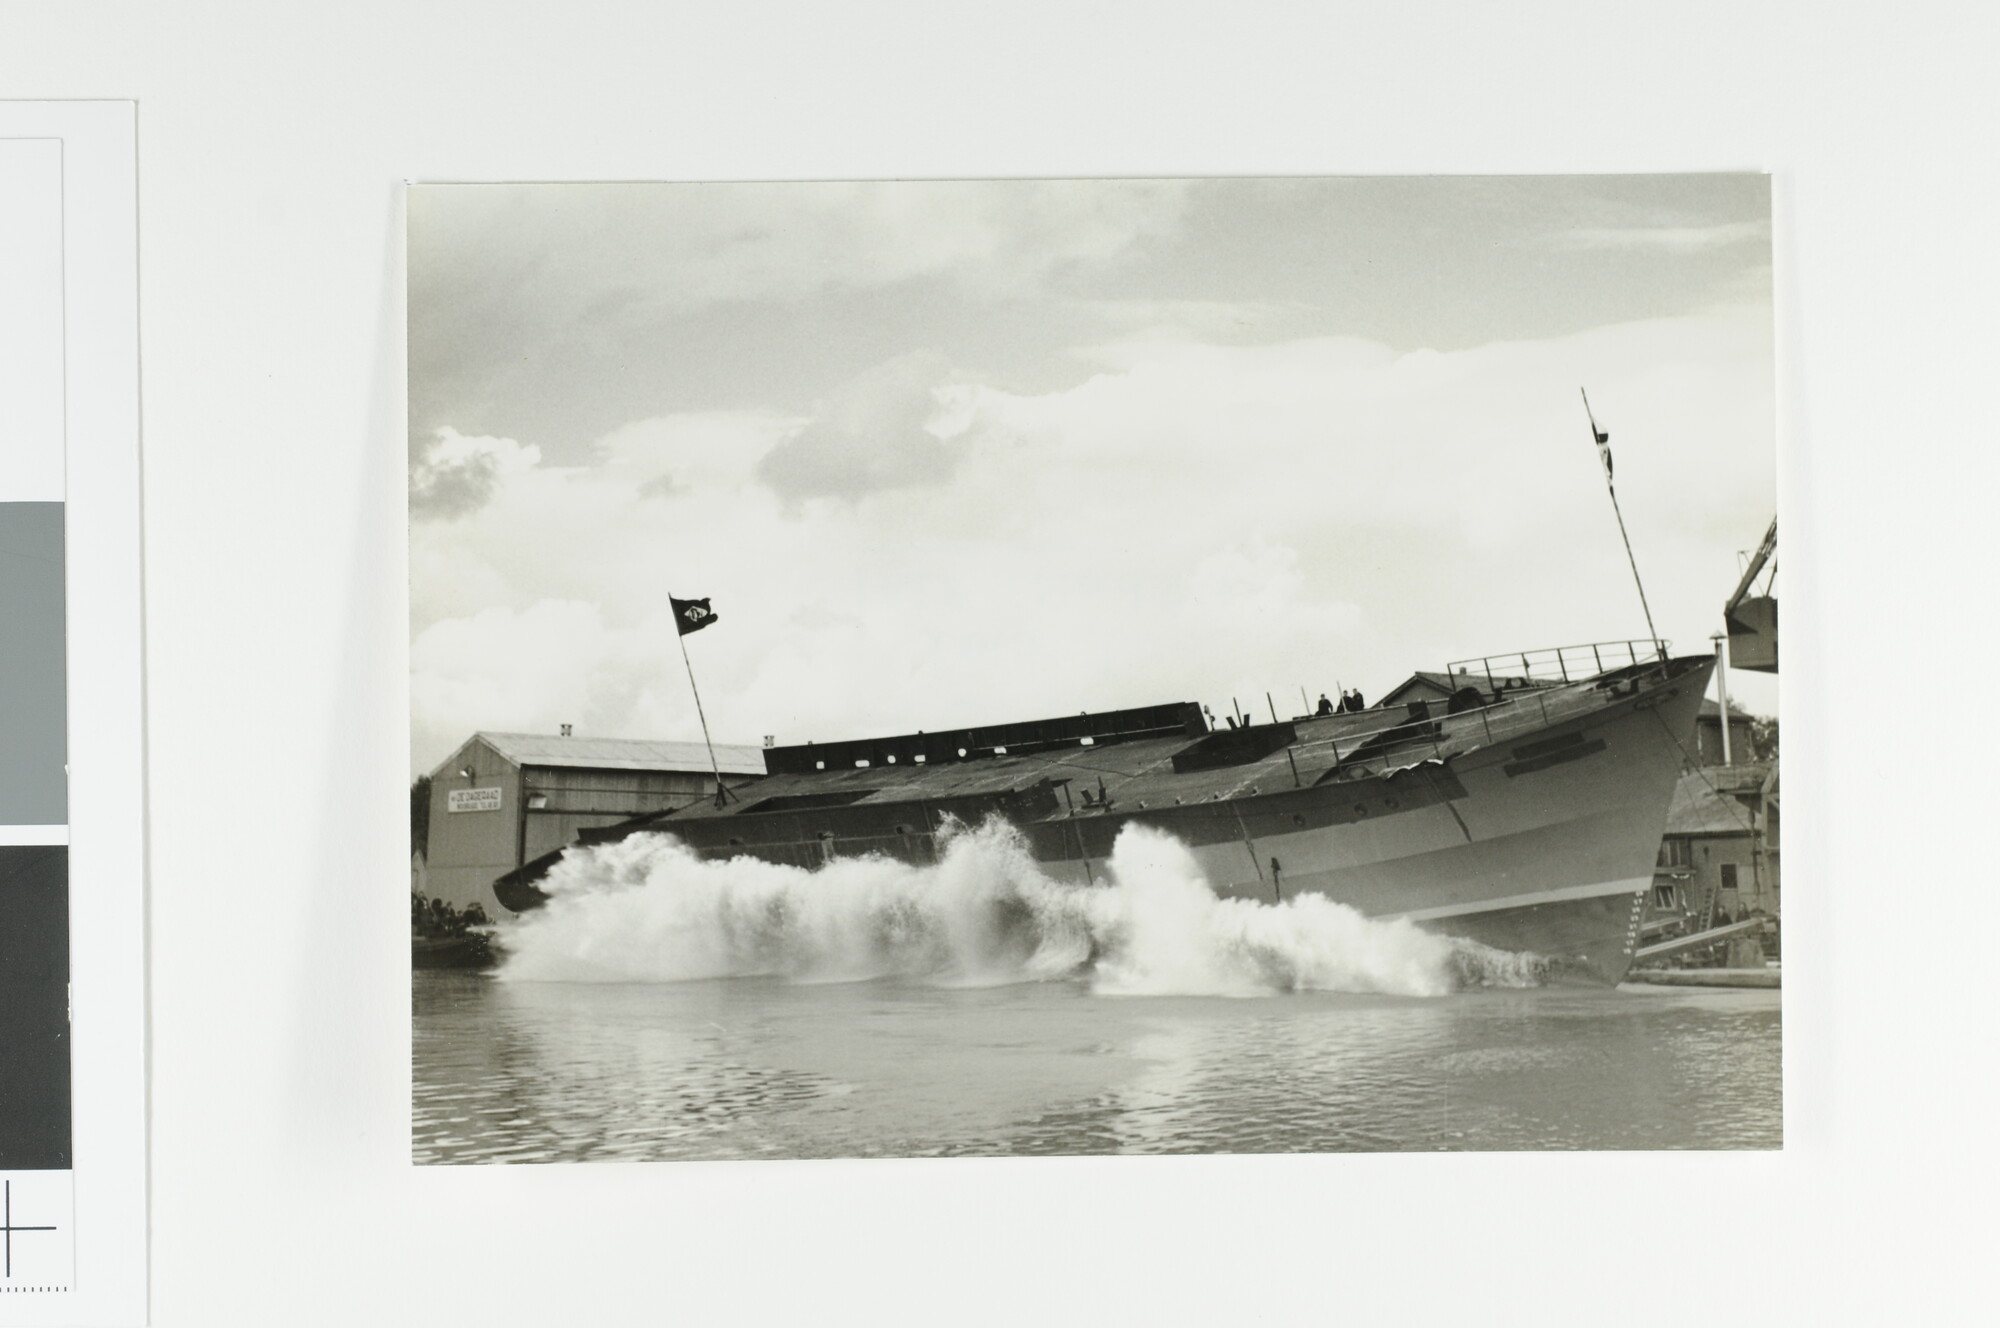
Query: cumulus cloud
{"type": "Point", "coordinates": [1192, 522]}
{"type": "Point", "coordinates": [504, 669]}
{"type": "Point", "coordinates": [615, 249]}
{"type": "Point", "coordinates": [879, 431]}
{"type": "Point", "coordinates": [1189, 320]}
{"type": "Point", "coordinates": [454, 476]}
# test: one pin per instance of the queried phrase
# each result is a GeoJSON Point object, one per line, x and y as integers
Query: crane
{"type": "Point", "coordinates": [1753, 619]}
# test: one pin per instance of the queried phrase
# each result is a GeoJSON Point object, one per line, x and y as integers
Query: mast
{"type": "Point", "coordinates": [1603, 441]}
{"type": "Point", "coordinates": [722, 793]}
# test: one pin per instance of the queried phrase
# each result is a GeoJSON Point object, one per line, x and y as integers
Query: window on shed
{"type": "Point", "coordinates": [1729, 876]}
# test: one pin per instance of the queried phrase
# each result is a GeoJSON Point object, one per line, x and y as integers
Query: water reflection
{"type": "Point", "coordinates": [751, 1068]}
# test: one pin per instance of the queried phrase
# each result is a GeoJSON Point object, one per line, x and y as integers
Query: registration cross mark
{"type": "Point", "coordinates": [8, 1228]}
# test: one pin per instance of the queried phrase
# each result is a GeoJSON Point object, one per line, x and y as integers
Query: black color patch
{"type": "Point", "coordinates": [34, 1009]}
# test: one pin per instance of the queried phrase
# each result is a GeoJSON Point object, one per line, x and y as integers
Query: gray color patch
{"type": "Point", "coordinates": [33, 736]}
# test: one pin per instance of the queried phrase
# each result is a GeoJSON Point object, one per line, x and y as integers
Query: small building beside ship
{"type": "Point", "coordinates": [1719, 857]}
{"type": "Point", "coordinates": [503, 799]}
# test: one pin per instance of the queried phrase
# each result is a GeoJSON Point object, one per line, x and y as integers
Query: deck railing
{"type": "Point", "coordinates": [1559, 664]}
{"type": "Point", "coordinates": [1520, 693]}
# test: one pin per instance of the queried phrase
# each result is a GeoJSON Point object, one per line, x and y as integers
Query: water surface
{"type": "Point", "coordinates": [762, 1067]}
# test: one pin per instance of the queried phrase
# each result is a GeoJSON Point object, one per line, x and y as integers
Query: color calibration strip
{"type": "Point", "coordinates": [37, 1240]}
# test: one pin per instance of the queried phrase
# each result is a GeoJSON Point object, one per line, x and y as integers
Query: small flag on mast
{"type": "Point", "coordinates": [1603, 438]}
{"type": "Point", "coordinates": [691, 615]}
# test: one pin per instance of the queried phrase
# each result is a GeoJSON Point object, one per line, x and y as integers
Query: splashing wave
{"type": "Point", "coordinates": [649, 909]}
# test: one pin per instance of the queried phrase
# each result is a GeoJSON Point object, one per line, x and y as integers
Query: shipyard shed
{"type": "Point", "coordinates": [503, 799]}
{"type": "Point", "coordinates": [1718, 858]}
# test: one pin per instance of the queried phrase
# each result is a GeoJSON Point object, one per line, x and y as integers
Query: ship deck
{"type": "Point", "coordinates": [1216, 766]}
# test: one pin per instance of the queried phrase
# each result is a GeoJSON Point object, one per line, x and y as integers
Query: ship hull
{"type": "Point", "coordinates": [1551, 860]}
{"type": "Point", "coordinates": [1531, 826]}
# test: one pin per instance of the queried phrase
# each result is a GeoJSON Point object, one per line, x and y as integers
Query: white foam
{"type": "Point", "coordinates": [649, 909]}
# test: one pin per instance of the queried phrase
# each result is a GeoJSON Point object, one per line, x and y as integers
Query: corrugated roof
{"type": "Point", "coordinates": [1699, 808]}
{"type": "Point", "coordinates": [548, 749]}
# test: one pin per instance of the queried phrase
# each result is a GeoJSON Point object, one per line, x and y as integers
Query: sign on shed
{"type": "Point", "coordinates": [473, 800]}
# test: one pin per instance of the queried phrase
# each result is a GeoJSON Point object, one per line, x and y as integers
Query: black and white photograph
{"type": "Point", "coordinates": [915, 669]}
{"type": "Point", "coordinates": [1034, 665]}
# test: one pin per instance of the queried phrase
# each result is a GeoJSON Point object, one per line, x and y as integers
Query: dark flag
{"type": "Point", "coordinates": [1603, 440]}
{"type": "Point", "coordinates": [691, 615]}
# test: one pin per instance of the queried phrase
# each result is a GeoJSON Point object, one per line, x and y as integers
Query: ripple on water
{"type": "Point", "coordinates": [756, 1069]}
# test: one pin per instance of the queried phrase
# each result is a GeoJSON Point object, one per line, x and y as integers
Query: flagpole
{"type": "Point", "coordinates": [1602, 439]}
{"type": "Point", "coordinates": [720, 793]}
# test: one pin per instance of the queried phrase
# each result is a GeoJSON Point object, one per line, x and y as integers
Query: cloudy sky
{"type": "Point", "coordinates": [962, 453]}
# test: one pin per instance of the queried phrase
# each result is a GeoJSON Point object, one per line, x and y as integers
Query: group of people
{"type": "Point", "coordinates": [1349, 700]}
{"type": "Point", "coordinates": [435, 917]}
